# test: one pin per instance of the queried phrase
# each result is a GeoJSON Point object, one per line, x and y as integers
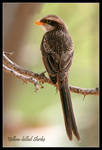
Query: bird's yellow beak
{"type": "Point", "coordinates": [39, 23]}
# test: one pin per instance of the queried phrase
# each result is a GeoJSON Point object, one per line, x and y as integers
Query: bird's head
{"type": "Point", "coordinates": [51, 22]}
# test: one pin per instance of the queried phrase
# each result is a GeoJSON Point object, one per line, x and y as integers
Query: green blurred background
{"type": "Point", "coordinates": [27, 113]}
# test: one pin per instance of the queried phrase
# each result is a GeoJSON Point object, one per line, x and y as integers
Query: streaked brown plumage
{"type": "Point", "coordinates": [57, 54]}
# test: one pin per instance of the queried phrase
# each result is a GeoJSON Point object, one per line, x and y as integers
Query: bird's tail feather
{"type": "Point", "coordinates": [69, 118]}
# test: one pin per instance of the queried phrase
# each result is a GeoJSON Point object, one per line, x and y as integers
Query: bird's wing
{"type": "Point", "coordinates": [66, 60]}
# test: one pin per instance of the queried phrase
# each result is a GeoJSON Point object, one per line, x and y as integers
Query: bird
{"type": "Point", "coordinates": [57, 53]}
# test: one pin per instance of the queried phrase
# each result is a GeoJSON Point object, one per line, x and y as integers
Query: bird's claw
{"type": "Point", "coordinates": [43, 73]}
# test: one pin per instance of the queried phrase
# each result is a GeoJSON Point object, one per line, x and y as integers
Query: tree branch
{"type": "Point", "coordinates": [29, 76]}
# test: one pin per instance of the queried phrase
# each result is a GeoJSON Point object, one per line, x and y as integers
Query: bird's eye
{"type": "Point", "coordinates": [48, 21]}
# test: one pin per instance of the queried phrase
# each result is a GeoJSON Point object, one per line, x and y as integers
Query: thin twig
{"type": "Point", "coordinates": [22, 77]}
{"type": "Point", "coordinates": [29, 76]}
{"type": "Point", "coordinates": [42, 78]}
{"type": "Point", "coordinates": [84, 91]}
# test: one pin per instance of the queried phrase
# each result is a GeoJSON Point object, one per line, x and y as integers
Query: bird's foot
{"type": "Point", "coordinates": [43, 73]}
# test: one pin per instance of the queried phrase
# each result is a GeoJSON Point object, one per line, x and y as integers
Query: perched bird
{"type": "Point", "coordinates": [57, 54]}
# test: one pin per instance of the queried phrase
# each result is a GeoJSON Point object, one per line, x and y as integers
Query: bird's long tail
{"type": "Point", "coordinates": [69, 118]}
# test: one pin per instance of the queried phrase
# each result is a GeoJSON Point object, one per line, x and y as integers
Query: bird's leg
{"type": "Point", "coordinates": [43, 73]}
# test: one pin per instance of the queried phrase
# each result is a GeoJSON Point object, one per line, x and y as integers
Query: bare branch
{"type": "Point", "coordinates": [10, 64]}
{"type": "Point", "coordinates": [84, 91]}
{"type": "Point", "coordinates": [29, 76]}
{"type": "Point", "coordinates": [22, 77]}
